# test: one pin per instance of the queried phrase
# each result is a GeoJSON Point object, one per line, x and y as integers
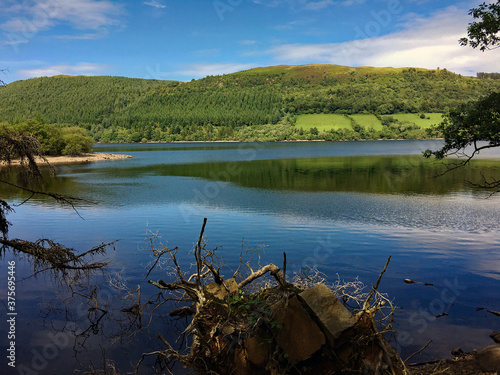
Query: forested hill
{"type": "Point", "coordinates": [118, 109]}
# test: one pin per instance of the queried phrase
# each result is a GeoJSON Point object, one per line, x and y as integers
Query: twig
{"type": "Point", "coordinates": [71, 201]}
{"type": "Point", "coordinates": [496, 313]}
{"type": "Point", "coordinates": [197, 253]}
{"type": "Point", "coordinates": [424, 363]}
{"type": "Point", "coordinates": [418, 352]}
{"type": "Point", "coordinates": [284, 266]}
{"type": "Point", "coordinates": [237, 272]}
{"type": "Point", "coordinates": [367, 302]}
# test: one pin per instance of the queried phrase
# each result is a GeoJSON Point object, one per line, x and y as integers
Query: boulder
{"type": "Point", "coordinates": [331, 313]}
{"type": "Point", "coordinates": [496, 337]}
{"type": "Point", "coordinates": [222, 291]}
{"type": "Point", "coordinates": [299, 336]}
{"type": "Point", "coordinates": [258, 352]}
{"type": "Point", "coordinates": [488, 358]}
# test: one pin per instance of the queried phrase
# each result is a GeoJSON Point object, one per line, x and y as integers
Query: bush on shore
{"type": "Point", "coordinates": [55, 140]}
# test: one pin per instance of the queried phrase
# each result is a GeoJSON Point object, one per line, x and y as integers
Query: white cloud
{"type": "Point", "coordinates": [209, 52]}
{"type": "Point", "coordinates": [247, 42]}
{"type": "Point", "coordinates": [34, 16]}
{"type": "Point", "coordinates": [423, 42]}
{"type": "Point", "coordinates": [209, 69]}
{"type": "Point", "coordinates": [83, 68]}
{"type": "Point", "coordinates": [352, 2]}
{"type": "Point", "coordinates": [14, 42]}
{"type": "Point", "coordinates": [83, 14]}
{"type": "Point", "coordinates": [293, 24]}
{"type": "Point", "coordinates": [307, 4]}
{"type": "Point", "coordinates": [155, 4]}
{"type": "Point", "coordinates": [318, 5]}
{"type": "Point", "coordinates": [88, 36]}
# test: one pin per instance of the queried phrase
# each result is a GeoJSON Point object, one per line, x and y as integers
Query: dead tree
{"type": "Point", "coordinates": [227, 324]}
{"type": "Point", "coordinates": [45, 254]}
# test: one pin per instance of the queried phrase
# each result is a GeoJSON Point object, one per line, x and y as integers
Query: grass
{"type": "Point", "coordinates": [434, 118]}
{"type": "Point", "coordinates": [367, 121]}
{"type": "Point", "coordinates": [326, 122]}
{"type": "Point", "coordinates": [321, 70]}
{"type": "Point", "coordinates": [323, 122]}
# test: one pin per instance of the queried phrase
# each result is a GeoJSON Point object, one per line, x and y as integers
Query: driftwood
{"type": "Point", "coordinates": [233, 331]}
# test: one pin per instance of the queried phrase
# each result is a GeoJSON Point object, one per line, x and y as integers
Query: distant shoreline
{"type": "Point", "coordinates": [271, 141]}
{"type": "Point", "coordinates": [84, 158]}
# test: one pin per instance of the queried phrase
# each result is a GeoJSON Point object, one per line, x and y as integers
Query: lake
{"type": "Point", "coordinates": [341, 207]}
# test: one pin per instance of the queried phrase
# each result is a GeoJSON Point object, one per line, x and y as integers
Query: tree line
{"type": "Point", "coordinates": [118, 109]}
{"type": "Point", "coordinates": [54, 140]}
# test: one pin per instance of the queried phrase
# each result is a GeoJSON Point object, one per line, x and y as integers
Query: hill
{"type": "Point", "coordinates": [215, 107]}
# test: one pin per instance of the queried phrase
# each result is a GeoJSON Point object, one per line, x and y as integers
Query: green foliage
{"type": "Point", "coordinates": [483, 75]}
{"type": "Point", "coordinates": [323, 122]}
{"type": "Point", "coordinates": [76, 142]}
{"type": "Point", "coordinates": [50, 137]}
{"type": "Point", "coordinates": [117, 109]}
{"type": "Point", "coordinates": [469, 124]}
{"type": "Point", "coordinates": [485, 32]}
{"type": "Point", "coordinates": [425, 122]}
{"type": "Point", "coordinates": [367, 121]}
{"type": "Point", "coordinates": [253, 308]}
{"type": "Point", "coordinates": [54, 140]}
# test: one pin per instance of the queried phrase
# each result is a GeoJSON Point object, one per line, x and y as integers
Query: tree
{"type": "Point", "coordinates": [2, 83]}
{"type": "Point", "coordinates": [45, 254]}
{"type": "Point", "coordinates": [76, 141]}
{"type": "Point", "coordinates": [464, 128]}
{"type": "Point", "coordinates": [467, 126]}
{"type": "Point", "coordinates": [484, 33]}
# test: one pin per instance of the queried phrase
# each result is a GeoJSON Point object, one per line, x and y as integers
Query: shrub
{"type": "Point", "coordinates": [76, 141]}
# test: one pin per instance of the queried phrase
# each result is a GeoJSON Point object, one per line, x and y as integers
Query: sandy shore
{"type": "Point", "coordinates": [84, 158]}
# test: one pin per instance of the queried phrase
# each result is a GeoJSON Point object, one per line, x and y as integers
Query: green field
{"type": "Point", "coordinates": [367, 121]}
{"type": "Point", "coordinates": [435, 118]}
{"type": "Point", "coordinates": [326, 122]}
{"type": "Point", "coordinates": [323, 122]}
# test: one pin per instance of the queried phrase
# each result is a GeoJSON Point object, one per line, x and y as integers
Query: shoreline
{"type": "Point", "coordinates": [272, 141]}
{"type": "Point", "coordinates": [84, 158]}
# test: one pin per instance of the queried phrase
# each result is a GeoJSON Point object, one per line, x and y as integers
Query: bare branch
{"type": "Point", "coordinates": [418, 351]}
{"type": "Point", "coordinates": [49, 255]}
{"type": "Point", "coordinates": [273, 269]}
{"type": "Point", "coordinates": [374, 289]}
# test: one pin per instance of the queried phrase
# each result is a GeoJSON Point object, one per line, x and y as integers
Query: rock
{"type": "Point", "coordinates": [231, 286]}
{"type": "Point", "coordinates": [241, 365]}
{"type": "Point", "coordinates": [496, 337]}
{"type": "Point", "coordinates": [299, 336]}
{"type": "Point", "coordinates": [488, 358]}
{"type": "Point", "coordinates": [457, 352]}
{"type": "Point", "coordinates": [334, 317]}
{"type": "Point", "coordinates": [222, 291]}
{"type": "Point", "coordinates": [257, 351]}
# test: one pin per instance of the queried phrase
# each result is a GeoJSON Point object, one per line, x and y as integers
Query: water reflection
{"type": "Point", "coordinates": [363, 174]}
{"type": "Point", "coordinates": [345, 206]}
{"type": "Point", "coordinates": [409, 174]}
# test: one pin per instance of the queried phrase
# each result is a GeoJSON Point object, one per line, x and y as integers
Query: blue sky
{"type": "Point", "coordinates": [186, 39]}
